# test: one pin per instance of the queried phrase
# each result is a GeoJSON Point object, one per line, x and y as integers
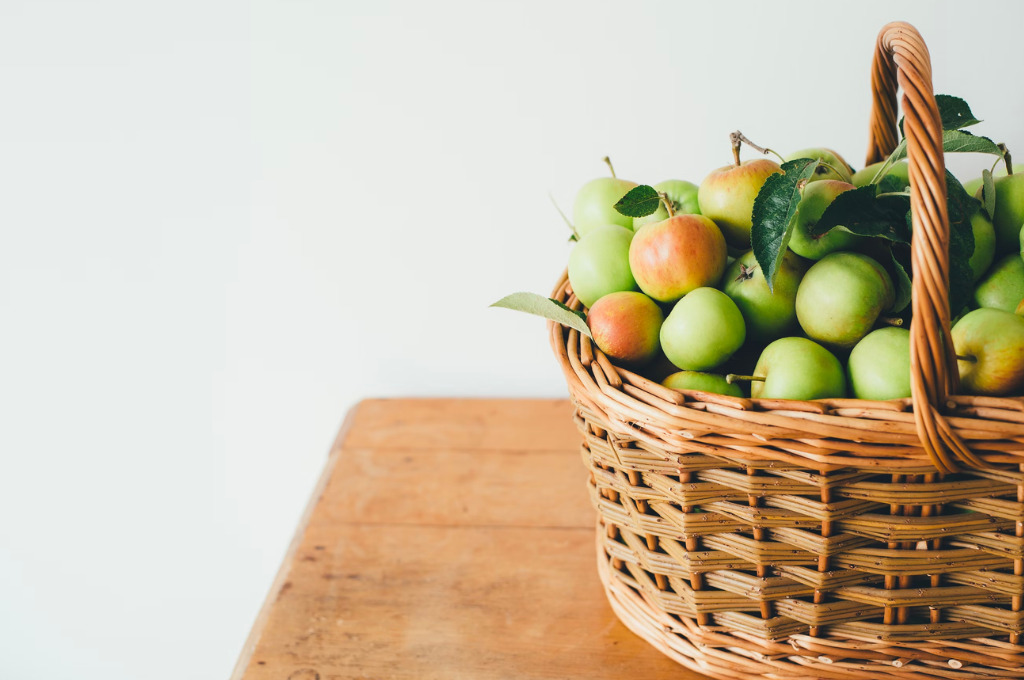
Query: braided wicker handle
{"type": "Point", "coordinates": [901, 58]}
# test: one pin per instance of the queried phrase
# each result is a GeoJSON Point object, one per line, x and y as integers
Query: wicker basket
{"type": "Point", "coordinates": [837, 538]}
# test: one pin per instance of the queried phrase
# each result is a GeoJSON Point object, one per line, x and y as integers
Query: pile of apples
{"type": "Point", "coordinates": [679, 295]}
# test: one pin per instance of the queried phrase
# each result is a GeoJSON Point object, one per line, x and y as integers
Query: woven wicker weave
{"type": "Point", "coordinates": [838, 538]}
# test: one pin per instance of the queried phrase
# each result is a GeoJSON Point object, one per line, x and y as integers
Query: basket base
{"type": "Point", "coordinates": [729, 655]}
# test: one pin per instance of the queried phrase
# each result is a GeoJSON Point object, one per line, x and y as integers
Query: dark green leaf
{"type": "Point", "coordinates": [901, 281]}
{"type": "Point", "coordinates": [891, 184]}
{"type": "Point", "coordinates": [640, 201]}
{"type": "Point", "coordinates": [773, 212]}
{"type": "Point", "coordinates": [960, 207]}
{"type": "Point", "coordinates": [531, 303]}
{"type": "Point", "coordinates": [988, 192]}
{"type": "Point", "coordinates": [863, 212]}
{"type": "Point", "coordinates": [955, 112]}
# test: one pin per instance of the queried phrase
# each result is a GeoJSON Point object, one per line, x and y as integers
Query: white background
{"type": "Point", "coordinates": [224, 223]}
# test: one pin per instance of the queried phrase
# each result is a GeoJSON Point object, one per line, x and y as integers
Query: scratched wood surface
{"type": "Point", "coordinates": [448, 539]}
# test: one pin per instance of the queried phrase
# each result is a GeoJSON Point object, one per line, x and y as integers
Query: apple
{"type": "Point", "coordinates": [703, 382]}
{"type": "Point", "coordinates": [879, 365]}
{"type": "Point", "coordinates": [703, 330]}
{"type": "Point", "coordinates": [1009, 213]}
{"type": "Point", "coordinates": [599, 263]}
{"type": "Point", "coordinates": [1003, 287]}
{"type": "Point", "coordinates": [841, 297]}
{"type": "Point", "coordinates": [727, 196]}
{"type": "Point", "coordinates": [797, 368]}
{"type": "Point", "coordinates": [900, 170]}
{"type": "Point", "coordinates": [839, 170]}
{"type": "Point", "coordinates": [989, 345]}
{"type": "Point", "coordinates": [814, 199]}
{"type": "Point", "coordinates": [973, 186]}
{"type": "Point", "coordinates": [595, 204]}
{"type": "Point", "coordinates": [626, 326]}
{"type": "Point", "coordinates": [683, 197]}
{"type": "Point", "coordinates": [767, 314]}
{"type": "Point", "coordinates": [984, 245]}
{"type": "Point", "coordinates": [672, 257]}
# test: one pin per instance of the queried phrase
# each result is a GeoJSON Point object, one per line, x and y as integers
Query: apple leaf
{"type": "Point", "coordinates": [772, 216]}
{"type": "Point", "coordinates": [531, 303]}
{"type": "Point", "coordinates": [988, 192]}
{"type": "Point", "coordinates": [639, 201]}
{"type": "Point", "coordinates": [954, 112]}
{"type": "Point", "coordinates": [891, 184]}
{"type": "Point", "coordinates": [901, 280]}
{"type": "Point", "coordinates": [960, 206]}
{"type": "Point", "coordinates": [865, 212]}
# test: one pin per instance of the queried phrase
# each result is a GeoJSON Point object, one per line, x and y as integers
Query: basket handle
{"type": "Point", "coordinates": [901, 59]}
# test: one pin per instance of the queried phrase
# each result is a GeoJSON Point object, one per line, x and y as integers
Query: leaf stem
{"type": "Point", "coordinates": [611, 167]}
{"type": "Point", "coordinates": [564, 218]}
{"type": "Point", "coordinates": [733, 377]}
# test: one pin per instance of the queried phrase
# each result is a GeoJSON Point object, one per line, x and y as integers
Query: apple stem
{"type": "Point", "coordinates": [738, 138]}
{"type": "Point", "coordinates": [891, 320]}
{"type": "Point", "coordinates": [665, 201]}
{"type": "Point", "coordinates": [746, 273]}
{"type": "Point", "coordinates": [611, 167]}
{"type": "Point", "coordinates": [733, 377]}
{"type": "Point", "coordinates": [1006, 159]}
{"type": "Point", "coordinates": [967, 357]}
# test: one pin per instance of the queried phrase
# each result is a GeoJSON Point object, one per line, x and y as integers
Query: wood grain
{"type": "Point", "coordinates": [443, 547]}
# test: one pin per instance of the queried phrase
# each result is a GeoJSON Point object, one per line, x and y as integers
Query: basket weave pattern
{"type": "Point", "coordinates": [838, 538]}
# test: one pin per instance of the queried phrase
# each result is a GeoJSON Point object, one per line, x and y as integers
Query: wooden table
{"type": "Point", "coordinates": [449, 539]}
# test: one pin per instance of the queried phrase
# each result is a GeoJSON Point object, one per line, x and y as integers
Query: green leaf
{"type": "Point", "coordinates": [988, 192]}
{"type": "Point", "coordinates": [862, 211]}
{"type": "Point", "coordinates": [901, 280]}
{"type": "Point", "coordinates": [960, 141]}
{"type": "Point", "coordinates": [772, 216]}
{"type": "Point", "coordinates": [639, 201]}
{"type": "Point", "coordinates": [531, 303]}
{"type": "Point", "coordinates": [955, 112]}
{"type": "Point", "coordinates": [953, 141]}
{"type": "Point", "coordinates": [960, 207]}
{"type": "Point", "coordinates": [891, 184]}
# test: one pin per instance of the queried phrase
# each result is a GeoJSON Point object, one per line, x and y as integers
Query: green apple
{"type": "Point", "coordinates": [797, 368]}
{"type": "Point", "coordinates": [703, 330]}
{"type": "Point", "coordinates": [984, 245]}
{"type": "Point", "coordinates": [672, 257]}
{"type": "Point", "coordinates": [989, 345]}
{"type": "Point", "coordinates": [1009, 213]}
{"type": "Point", "coordinates": [599, 263]}
{"type": "Point", "coordinates": [815, 197]}
{"type": "Point", "coordinates": [900, 170]}
{"type": "Point", "coordinates": [683, 197]}
{"type": "Point", "coordinates": [879, 365]}
{"type": "Point", "coordinates": [973, 186]}
{"type": "Point", "coordinates": [626, 326]}
{"type": "Point", "coordinates": [727, 196]}
{"type": "Point", "coordinates": [841, 297]}
{"type": "Point", "coordinates": [1003, 287]}
{"type": "Point", "coordinates": [704, 382]}
{"type": "Point", "coordinates": [767, 314]}
{"type": "Point", "coordinates": [595, 204]}
{"type": "Point", "coordinates": [839, 170]}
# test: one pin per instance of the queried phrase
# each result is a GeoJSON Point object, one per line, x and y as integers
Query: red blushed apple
{"type": "Point", "coordinates": [727, 196]}
{"type": "Point", "coordinates": [627, 326]}
{"type": "Point", "coordinates": [672, 257]}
